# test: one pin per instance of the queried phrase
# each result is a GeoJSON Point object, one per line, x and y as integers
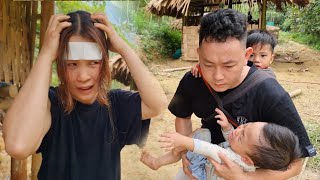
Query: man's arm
{"type": "Point", "coordinates": [294, 170]}
{"type": "Point", "coordinates": [183, 125]}
{"type": "Point", "coordinates": [231, 170]}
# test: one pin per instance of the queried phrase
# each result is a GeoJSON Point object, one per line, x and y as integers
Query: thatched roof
{"type": "Point", "coordinates": [179, 8]}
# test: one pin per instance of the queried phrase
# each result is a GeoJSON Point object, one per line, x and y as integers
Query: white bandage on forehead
{"type": "Point", "coordinates": [84, 51]}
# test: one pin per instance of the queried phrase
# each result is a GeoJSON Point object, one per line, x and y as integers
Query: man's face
{"type": "Point", "coordinates": [83, 77]}
{"type": "Point", "coordinates": [262, 56]}
{"type": "Point", "coordinates": [222, 64]}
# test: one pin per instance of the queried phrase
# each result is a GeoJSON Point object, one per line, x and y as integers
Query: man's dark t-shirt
{"type": "Point", "coordinates": [267, 102]}
{"type": "Point", "coordinates": [83, 144]}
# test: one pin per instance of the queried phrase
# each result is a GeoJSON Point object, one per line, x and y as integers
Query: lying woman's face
{"type": "Point", "coordinates": [83, 69]}
{"type": "Point", "coordinates": [244, 137]}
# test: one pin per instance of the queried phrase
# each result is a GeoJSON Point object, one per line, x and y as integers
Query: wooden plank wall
{"type": "Point", "coordinates": [190, 43]}
{"type": "Point", "coordinates": [17, 37]}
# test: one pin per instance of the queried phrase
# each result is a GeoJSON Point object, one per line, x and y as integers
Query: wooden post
{"type": "Point", "coordinates": [12, 15]}
{"type": "Point", "coordinates": [263, 15]}
{"type": "Point", "coordinates": [18, 169]}
{"type": "Point", "coordinates": [35, 166]}
{"type": "Point", "coordinates": [47, 10]}
{"type": "Point", "coordinates": [230, 4]}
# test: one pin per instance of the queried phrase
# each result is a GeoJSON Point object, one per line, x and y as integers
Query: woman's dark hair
{"type": "Point", "coordinates": [82, 25]}
{"type": "Point", "coordinates": [221, 24]}
{"type": "Point", "coordinates": [262, 38]}
{"type": "Point", "coordinates": [279, 148]}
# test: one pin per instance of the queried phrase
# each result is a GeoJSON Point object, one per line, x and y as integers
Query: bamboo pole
{"type": "Point", "coordinates": [47, 10]}
{"type": "Point", "coordinates": [2, 37]}
{"type": "Point", "coordinates": [18, 167]}
{"type": "Point", "coordinates": [33, 32]}
{"type": "Point", "coordinates": [6, 31]}
{"type": "Point", "coordinates": [263, 15]}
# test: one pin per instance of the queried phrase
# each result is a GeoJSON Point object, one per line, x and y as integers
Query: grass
{"type": "Point", "coordinates": [313, 130]}
{"type": "Point", "coordinates": [303, 38]}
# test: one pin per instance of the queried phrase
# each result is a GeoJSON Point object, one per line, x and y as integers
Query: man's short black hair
{"type": "Point", "coordinates": [260, 37]}
{"type": "Point", "coordinates": [221, 24]}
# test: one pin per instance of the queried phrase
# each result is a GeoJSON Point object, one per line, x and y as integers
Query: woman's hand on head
{"type": "Point", "coordinates": [115, 42]}
{"type": "Point", "coordinates": [51, 39]}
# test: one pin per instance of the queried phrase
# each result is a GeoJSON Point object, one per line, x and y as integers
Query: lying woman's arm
{"type": "Point", "coordinates": [212, 150]}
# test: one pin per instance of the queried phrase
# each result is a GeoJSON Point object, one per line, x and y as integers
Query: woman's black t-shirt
{"type": "Point", "coordinates": [83, 144]}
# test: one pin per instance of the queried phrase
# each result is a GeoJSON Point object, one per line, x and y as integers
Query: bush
{"type": "Point", "coordinates": [157, 38]}
{"type": "Point", "coordinates": [311, 20]}
{"type": "Point", "coordinates": [278, 17]}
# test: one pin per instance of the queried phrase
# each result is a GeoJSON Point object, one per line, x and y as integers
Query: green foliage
{"type": "Point", "coordinates": [304, 38]}
{"type": "Point", "coordinates": [157, 38]}
{"type": "Point", "coordinates": [311, 18]}
{"type": "Point", "coordinates": [65, 7]}
{"type": "Point", "coordinates": [302, 23]}
{"type": "Point", "coordinates": [292, 19]}
{"type": "Point", "coordinates": [54, 78]}
{"type": "Point", "coordinates": [117, 85]}
{"type": "Point", "coordinates": [275, 16]}
{"type": "Point", "coordinates": [305, 19]}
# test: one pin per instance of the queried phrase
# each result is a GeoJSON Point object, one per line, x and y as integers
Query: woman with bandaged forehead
{"type": "Point", "coordinates": [80, 126]}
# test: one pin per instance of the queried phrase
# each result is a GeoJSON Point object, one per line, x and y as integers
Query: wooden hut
{"type": "Point", "coordinates": [192, 10]}
{"type": "Point", "coordinates": [18, 20]}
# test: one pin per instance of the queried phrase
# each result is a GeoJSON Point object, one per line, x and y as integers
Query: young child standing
{"type": "Point", "coordinates": [257, 144]}
{"type": "Point", "coordinates": [263, 44]}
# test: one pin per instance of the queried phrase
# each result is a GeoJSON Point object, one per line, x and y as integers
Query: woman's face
{"type": "Point", "coordinates": [83, 76]}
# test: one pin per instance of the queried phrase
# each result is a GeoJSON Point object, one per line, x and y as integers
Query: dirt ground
{"type": "Point", "coordinates": [292, 76]}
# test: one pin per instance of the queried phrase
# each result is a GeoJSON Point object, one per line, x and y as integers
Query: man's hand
{"type": "Point", "coordinates": [185, 165]}
{"type": "Point", "coordinates": [227, 169]}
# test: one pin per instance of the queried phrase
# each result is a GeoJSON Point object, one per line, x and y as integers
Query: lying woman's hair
{"type": "Point", "coordinates": [280, 147]}
{"type": "Point", "coordinates": [82, 25]}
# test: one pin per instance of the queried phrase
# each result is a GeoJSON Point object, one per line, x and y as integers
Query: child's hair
{"type": "Point", "coordinates": [260, 37]}
{"type": "Point", "coordinates": [82, 25]}
{"type": "Point", "coordinates": [280, 147]}
{"type": "Point", "coordinates": [221, 24]}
